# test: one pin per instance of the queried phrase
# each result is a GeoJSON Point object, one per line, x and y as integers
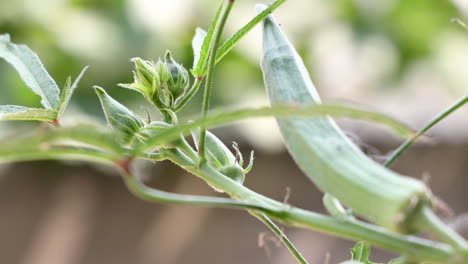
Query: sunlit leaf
{"type": "Point", "coordinates": [68, 90]}
{"type": "Point", "coordinates": [197, 43]}
{"type": "Point", "coordinates": [31, 70]}
{"type": "Point", "coordinates": [227, 46]}
{"type": "Point", "coordinates": [199, 68]}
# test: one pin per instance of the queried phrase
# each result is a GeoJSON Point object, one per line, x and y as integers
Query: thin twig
{"type": "Point", "coordinates": [397, 153]}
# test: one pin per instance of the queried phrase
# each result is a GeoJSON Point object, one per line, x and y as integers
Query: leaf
{"type": "Point", "coordinates": [31, 70]}
{"type": "Point", "coordinates": [227, 46]}
{"type": "Point", "coordinates": [278, 111]}
{"type": "Point", "coordinates": [15, 112]}
{"type": "Point", "coordinates": [67, 92]}
{"type": "Point", "coordinates": [361, 253]}
{"type": "Point", "coordinates": [119, 117]}
{"type": "Point", "coordinates": [197, 43]}
{"type": "Point", "coordinates": [200, 67]}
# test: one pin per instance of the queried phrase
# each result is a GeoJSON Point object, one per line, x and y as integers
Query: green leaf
{"type": "Point", "coordinates": [119, 117]}
{"type": "Point", "coordinates": [197, 44]}
{"type": "Point", "coordinates": [278, 111]}
{"type": "Point", "coordinates": [227, 46]}
{"type": "Point", "coordinates": [31, 70]}
{"type": "Point", "coordinates": [360, 252]}
{"type": "Point", "coordinates": [200, 67]}
{"type": "Point", "coordinates": [67, 92]}
{"type": "Point", "coordinates": [15, 112]}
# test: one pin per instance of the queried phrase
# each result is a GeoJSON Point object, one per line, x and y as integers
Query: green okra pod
{"type": "Point", "coordinates": [323, 151]}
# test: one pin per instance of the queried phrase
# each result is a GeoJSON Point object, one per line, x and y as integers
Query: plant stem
{"type": "Point", "coordinates": [278, 111]}
{"type": "Point", "coordinates": [154, 195]}
{"type": "Point", "coordinates": [209, 75]}
{"type": "Point", "coordinates": [69, 153]}
{"type": "Point", "coordinates": [397, 153]}
{"type": "Point", "coordinates": [425, 220]}
{"type": "Point", "coordinates": [418, 248]}
{"type": "Point", "coordinates": [275, 229]}
{"type": "Point", "coordinates": [190, 94]}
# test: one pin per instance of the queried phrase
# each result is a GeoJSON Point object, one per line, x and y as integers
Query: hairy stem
{"type": "Point", "coordinates": [190, 94]}
{"type": "Point", "coordinates": [209, 75]}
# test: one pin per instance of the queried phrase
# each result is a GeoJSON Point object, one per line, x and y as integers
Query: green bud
{"type": "Point", "coordinates": [178, 82]}
{"type": "Point", "coordinates": [161, 82]}
{"type": "Point", "coordinates": [235, 172]}
{"type": "Point", "coordinates": [146, 78]}
{"type": "Point", "coordinates": [119, 117]}
{"type": "Point", "coordinates": [151, 130]}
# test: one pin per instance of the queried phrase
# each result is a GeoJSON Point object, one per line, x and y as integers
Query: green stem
{"type": "Point", "coordinates": [397, 153]}
{"type": "Point", "coordinates": [275, 229]}
{"type": "Point", "coordinates": [190, 94]}
{"type": "Point", "coordinates": [426, 221]}
{"type": "Point", "coordinates": [278, 111]}
{"type": "Point", "coordinates": [415, 247]}
{"type": "Point", "coordinates": [154, 195]}
{"type": "Point", "coordinates": [63, 153]}
{"type": "Point", "coordinates": [209, 75]}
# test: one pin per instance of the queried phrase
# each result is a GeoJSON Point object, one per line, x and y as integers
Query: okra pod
{"type": "Point", "coordinates": [324, 152]}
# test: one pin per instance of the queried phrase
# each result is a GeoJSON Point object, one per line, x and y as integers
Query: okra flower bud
{"type": "Point", "coordinates": [119, 117]}
{"type": "Point", "coordinates": [178, 82]}
{"type": "Point", "coordinates": [161, 82]}
{"type": "Point", "coordinates": [222, 158]}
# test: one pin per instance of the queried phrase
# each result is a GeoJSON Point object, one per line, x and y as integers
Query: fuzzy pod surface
{"type": "Point", "coordinates": [322, 150]}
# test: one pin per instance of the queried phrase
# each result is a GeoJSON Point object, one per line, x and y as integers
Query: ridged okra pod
{"type": "Point", "coordinates": [323, 151]}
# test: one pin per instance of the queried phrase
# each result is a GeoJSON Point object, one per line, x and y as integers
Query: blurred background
{"type": "Point", "coordinates": [400, 57]}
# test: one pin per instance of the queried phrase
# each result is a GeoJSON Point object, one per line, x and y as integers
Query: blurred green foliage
{"type": "Point", "coordinates": [413, 25]}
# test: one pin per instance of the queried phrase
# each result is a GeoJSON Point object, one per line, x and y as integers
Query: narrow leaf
{"type": "Point", "coordinates": [15, 112]}
{"type": "Point", "coordinates": [278, 111]}
{"type": "Point", "coordinates": [31, 70]}
{"type": "Point", "coordinates": [197, 43]}
{"type": "Point", "coordinates": [198, 71]}
{"type": "Point", "coordinates": [227, 46]}
{"type": "Point", "coordinates": [67, 92]}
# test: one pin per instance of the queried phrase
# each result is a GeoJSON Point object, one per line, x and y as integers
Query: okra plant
{"type": "Point", "coordinates": [395, 208]}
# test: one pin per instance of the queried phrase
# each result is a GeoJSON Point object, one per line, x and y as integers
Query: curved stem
{"type": "Point", "coordinates": [63, 153]}
{"type": "Point", "coordinates": [190, 94]}
{"type": "Point", "coordinates": [425, 220]}
{"type": "Point", "coordinates": [278, 111]}
{"type": "Point", "coordinates": [403, 147]}
{"type": "Point", "coordinates": [209, 75]}
{"type": "Point", "coordinates": [154, 195]}
{"type": "Point", "coordinates": [418, 248]}
{"type": "Point", "coordinates": [279, 233]}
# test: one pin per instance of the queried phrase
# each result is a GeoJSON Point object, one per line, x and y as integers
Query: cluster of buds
{"type": "Point", "coordinates": [162, 83]}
